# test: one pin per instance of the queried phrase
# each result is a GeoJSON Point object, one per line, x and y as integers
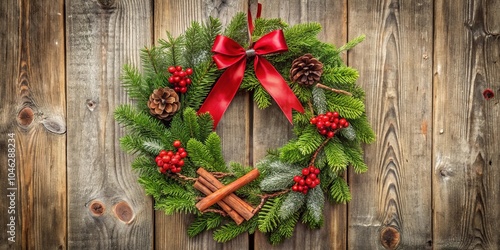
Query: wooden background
{"type": "Point", "coordinates": [434, 171]}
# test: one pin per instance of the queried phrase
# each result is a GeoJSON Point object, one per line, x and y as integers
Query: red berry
{"type": "Point", "coordinates": [159, 163]}
{"type": "Point", "coordinates": [335, 114]}
{"type": "Point", "coordinates": [188, 81]}
{"type": "Point", "coordinates": [312, 176]}
{"type": "Point", "coordinates": [162, 153]}
{"type": "Point", "coordinates": [162, 170]}
{"type": "Point", "coordinates": [177, 89]}
{"type": "Point", "coordinates": [183, 154]}
{"type": "Point", "coordinates": [314, 120]}
{"type": "Point", "coordinates": [170, 153]}
{"type": "Point", "coordinates": [317, 181]}
{"type": "Point", "coordinates": [171, 69]}
{"type": "Point", "coordinates": [171, 80]}
{"type": "Point", "coordinates": [157, 158]}
{"type": "Point", "coordinates": [330, 134]}
{"type": "Point", "coordinates": [346, 124]}
{"type": "Point", "coordinates": [295, 188]}
{"type": "Point", "coordinates": [297, 178]}
{"type": "Point", "coordinates": [177, 144]}
{"type": "Point", "coordinates": [182, 83]}
{"type": "Point", "coordinates": [189, 71]}
{"type": "Point", "coordinates": [178, 68]}
{"type": "Point", "coordinates": [316, 171]}
{"type": "Point", "coordinates": [177, 79]}
{"type": "Point", "coordinates": [183, 90]}
{"type": "Point", "coordinates": [180, 163]}
{"type": "Point", "coordinates": [302, 182]}
{"type": "Point", "coordinates": [166, 158]}
{"type": "Point", "coordinates": [308, 181]}
{"type": "Point", "coordinates": [300, 188]}
{"type": "Point", "coordinates": [182, 74]}
{"type": "Point", "coordinates": [305, 171]}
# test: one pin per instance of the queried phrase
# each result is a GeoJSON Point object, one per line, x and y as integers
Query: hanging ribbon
{"type": "Point", "coordinates": [229, 55]}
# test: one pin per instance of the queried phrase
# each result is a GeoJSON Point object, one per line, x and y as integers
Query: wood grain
{"type": "Point", "coordinates": [466, 160]}
{"type": "Point", "coordinates": [271, 129]}
{"type": "Point", "coordinates": [33, 108]}
{"type": "Point", "coordinates": [107, 209]}
{"type": "Point", "coordinates": [175, 17]}
{"type": "Point", "coordinates": [391, 205]}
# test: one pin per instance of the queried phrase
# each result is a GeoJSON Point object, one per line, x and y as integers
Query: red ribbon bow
{"type": "Point", "coordinates": [229, 55]}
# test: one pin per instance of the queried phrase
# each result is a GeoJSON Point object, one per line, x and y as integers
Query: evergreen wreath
{"type": "Point", "coordinates": [172, 139]}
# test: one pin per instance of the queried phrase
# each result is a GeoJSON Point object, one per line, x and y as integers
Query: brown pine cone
{"type": "Point", "coordinates": [306, 70]}
{"type": "Point", "coordinates": [163, 103]}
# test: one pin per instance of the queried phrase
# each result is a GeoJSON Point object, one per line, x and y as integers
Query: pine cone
{"type": "Point", "coordinates": [163, 103]}
{"type": "Point", "coordinates": [306, 70]}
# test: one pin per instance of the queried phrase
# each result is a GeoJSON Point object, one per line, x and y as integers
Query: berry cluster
{"type": "Point", "coordinates": [170, 161]}
{"type": "Point", "coordinates": [328, 123]}
{"type": "Point", "coordinates": [180, 78]}
{"type": "Point", "coordinates": [309, 179]}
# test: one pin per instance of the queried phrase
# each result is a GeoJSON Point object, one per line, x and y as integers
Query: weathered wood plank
{"type": "Point", "coordinates": [391, 203]}
{"type": "Point", "coordinates": [32, 108]}
{"type": "Point", "coordinates": [175, 17]}
{"type": "Point", "coordinates": [466, 160]}
{"type": "Point", "coordinates": [107, 209]}
{"type": "Point", "coordinates": [271, 129]}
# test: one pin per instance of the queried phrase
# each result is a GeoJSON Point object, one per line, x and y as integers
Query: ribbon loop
{"type": "Point", "coordinates": [229, 55]}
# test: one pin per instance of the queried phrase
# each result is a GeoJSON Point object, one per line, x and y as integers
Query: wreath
{"type": "Point", "coordinates": [181, 93]}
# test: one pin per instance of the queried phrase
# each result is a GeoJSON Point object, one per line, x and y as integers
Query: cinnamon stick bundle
{"type": "Point", "coordinates": [227, 208]}
{"type": "Point", "coordinates": [225, 193]}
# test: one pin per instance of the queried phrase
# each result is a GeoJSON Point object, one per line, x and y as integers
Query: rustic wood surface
{"type": "Point", "coordinates": [434, 173]}
{"type": "Point", "coordinates": [107, 208]}
{"type": "Point", "coordinates": [34, 109]}
{"type": "Point", "coordinates": [391, 203]}
{"type": "Point", "coordinates": [466, 172]}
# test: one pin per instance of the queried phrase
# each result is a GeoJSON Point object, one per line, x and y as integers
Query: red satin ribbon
{"type": "Point", "coordinates": [229, 55]}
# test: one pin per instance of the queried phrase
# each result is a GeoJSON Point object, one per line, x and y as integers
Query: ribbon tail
{"type": "Point", "coordinates": [223, 92]}
{"type": "Point", "coordinates": [277, 87]}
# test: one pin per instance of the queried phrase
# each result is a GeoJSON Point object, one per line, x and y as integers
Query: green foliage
{"type": "Point", "coordinates": [319, 100]}
{"type": "Point", "coordinates": [230, 230]}
{"type": "Point", "coordinates": [237, 29]}
{"type": "Point", "coordinates": [339, 191]}
{"type": "Point", "coordinates": [268, 217]}
{"type": "Point", "coordinates": [292, 203]}
{"type": "Point", "coordinates": [335, 156]}
{"type": "Point", "coordinates": [347, 106]}
{"type": "Point", "coordinates": [315, 203]}
{"type": "Point", "coordinates": [205, 221]}
{"type": "Point", "coordinates": [277, 175]}
{"type": "Point", "coordinates": [349, 45]}
{"type": "Point", "coordinates": [285, 230]}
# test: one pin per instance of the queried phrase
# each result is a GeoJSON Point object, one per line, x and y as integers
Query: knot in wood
{"type": "Point", "coordinates": [96, 208]}
{"type": "Point", "coordinates": [25, 117]}
{"type": "Point", "coordinates": [390, 237]}
{"type": "Point", "coordinates": [124, 212]}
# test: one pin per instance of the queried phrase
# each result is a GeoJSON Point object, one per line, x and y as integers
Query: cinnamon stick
{"type": "Point", "coordinates": [243, 208]}
{"type": "Point", "coordinates": [233, 214]}
{"type": "Point", "coordinates": [226, 190]}
{"type": "Point", "coordinates": [235, 202]}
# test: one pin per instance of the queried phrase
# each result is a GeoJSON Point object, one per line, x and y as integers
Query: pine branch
{"type": "Point", "coordinates": [347, 106]}
{"type": "Point", "coordinates": [230, 230]}
{"type": "Point", "coordinates": [315, 202]}
{"type": "Point", "coordinates": [237, 29]}
{"type": "Point", "coordinates": [269, 215]}
{"type": "Point", "coordinates": [292, 203]}
{"type": "Point", "coordinates": [351, 44]}
{"type": "Point", "coordinates": [339, 191]}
